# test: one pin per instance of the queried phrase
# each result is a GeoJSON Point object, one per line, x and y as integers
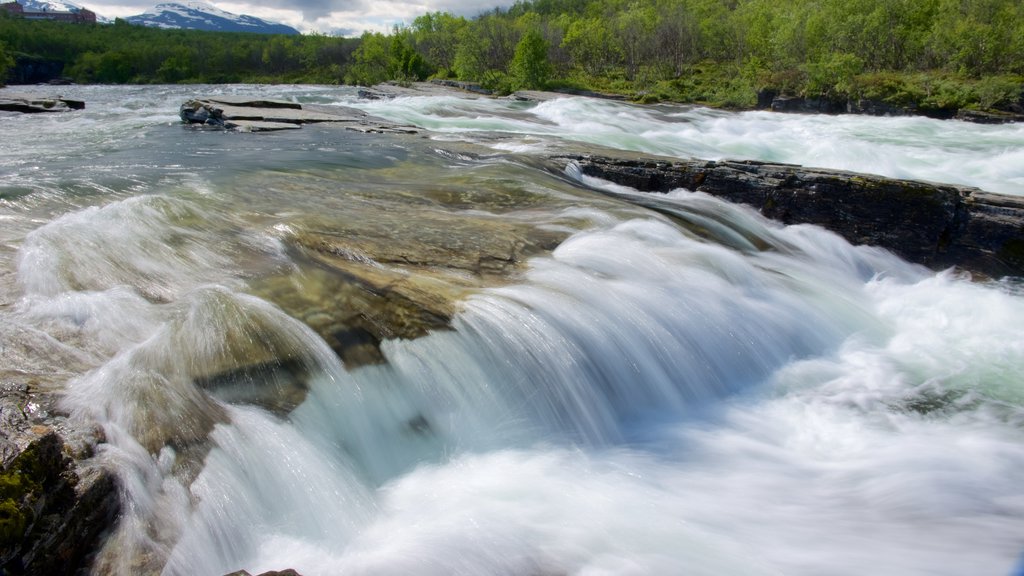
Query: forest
{"type": "Point", "coordinates": [929, 53]}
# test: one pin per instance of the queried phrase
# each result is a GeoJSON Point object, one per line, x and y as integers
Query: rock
{"type": "Point", "coordinates": [806, 105]}
{"type": "Point", "coordinates": [371, 94]}
{"type": "Point", "coordinates": [988, 116]}
{"type": "Point", "coordinates": [467, 86]}
{"type": "Point", "coordinates": [877, 108]}
{"type": "Point", "coordinates": [30, 105]}
{"type": "Point", "coordinates": [199, 112]}
{"type": "Point", "coordinates": [936, 225]}
{"type": "Point", "coordinates": [256, 102]}
{"type": "Point", "coordinates": [380, 275]}
{"type": "Point", "coordinates": [262, 115]}
{"type": "Point", "coordinates": [768, 99]}
{"type": "Point", "coordinates": [53, 510]}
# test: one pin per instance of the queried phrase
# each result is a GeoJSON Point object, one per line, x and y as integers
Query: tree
{"type": "Point", "coordinates": [6, 63]}
{"type": "Point", "coordinates": [436, 37]}
{"type": "Point", "coordinates": [370, 60]}
{"type": "Point", "coordinates": [591, 45]}
{"type": "Point", "coordinates": [530, 66]}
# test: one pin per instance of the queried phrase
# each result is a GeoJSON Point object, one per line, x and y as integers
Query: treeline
{"type": "Point", "coordinates": [122, 53]}
{"type": "Point", "coordinates": [942, 52]}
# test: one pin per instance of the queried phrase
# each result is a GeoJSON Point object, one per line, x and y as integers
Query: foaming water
{"type": "Point", "coordinates": [680, 386]}
{"type": "Point", "coordinates": [990, 157]}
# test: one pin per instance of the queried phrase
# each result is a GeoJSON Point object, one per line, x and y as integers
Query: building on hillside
{"type": "Point", "coordinates": [79, 16]}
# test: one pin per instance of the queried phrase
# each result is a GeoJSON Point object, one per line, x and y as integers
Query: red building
{"type": "Point", "coordinates": [80, 16]}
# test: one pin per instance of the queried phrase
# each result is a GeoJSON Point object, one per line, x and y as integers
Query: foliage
{"type": "Point", "coordinates": [123, 53]}
{"type": "Point", "coordinates": [6, 62]}
{"type": "Point", "coordinates": [530, 67]}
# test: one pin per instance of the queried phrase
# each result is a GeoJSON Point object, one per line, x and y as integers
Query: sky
{"type": "Point", "coordinates": [336, 17]}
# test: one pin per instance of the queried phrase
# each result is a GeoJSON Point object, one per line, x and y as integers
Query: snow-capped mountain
{"type": "Point", "coordinates": [56, 6]}
{"type": "Point", "coordinates": [202, 16]}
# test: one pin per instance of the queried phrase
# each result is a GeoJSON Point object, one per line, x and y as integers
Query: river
{"type": "Point", "coordinates": [295, 364]}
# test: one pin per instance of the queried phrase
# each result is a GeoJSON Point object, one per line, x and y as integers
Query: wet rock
{"type": "Point", "coordinates": [396, 277]}
{"type": "Point", "coordinates": [396, 264]}
{"type": "Point", "coordinates": [34, 105]}
{"type": "Point", "coordinates": [936, 225]}
{"type": "Point", "coordinates": [198, 112]}
{"type": "Point", "coordinates": [877, 108]}
{"type": "Point", "coordinates": [800, 104]}
{"type": "Point", "coordinates": [989, 116]}
{"type": "Point", "coordinates": [467, 86]}
{"type": "Point", "coordinates": [262, 115]}
{"type": "Point", "coordinates": [53, 510]}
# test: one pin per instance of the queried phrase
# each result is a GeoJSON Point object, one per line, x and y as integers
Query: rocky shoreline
{"type": "Point", "coordinates": [56, 503]}
{"type": "Point", "coordinates": [776, 102]}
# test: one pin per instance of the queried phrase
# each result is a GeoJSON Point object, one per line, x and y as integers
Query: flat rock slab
{"type": "Point", "coordinates": [255, 102]}
{"type": "Point", "coordinates": [262, 126]}
{"type": "Point", "coordinates": [263, 115]}
{"type": "Point", "coordinates": [31, 105]}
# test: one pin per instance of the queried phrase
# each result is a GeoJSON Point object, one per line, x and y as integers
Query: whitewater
{"type": "Point", "coordinates": [644, 397]}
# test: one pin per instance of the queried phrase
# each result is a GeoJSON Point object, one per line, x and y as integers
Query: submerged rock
{"type": "Point", "coordinates": [937, 225]}
{"type": "Point", "coordinates": [384, 276]}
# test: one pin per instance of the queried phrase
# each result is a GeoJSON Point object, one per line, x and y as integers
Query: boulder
{"type": "Point", "coordinates": [937, 225]}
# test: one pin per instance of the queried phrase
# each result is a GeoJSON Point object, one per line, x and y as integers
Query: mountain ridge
{"type": "Point", "coordinates": [189, 15]}
{"type": "Point", "coordinates": [202, 16]}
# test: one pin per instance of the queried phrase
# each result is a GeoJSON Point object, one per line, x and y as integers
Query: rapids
{"type": "Point", "coordinates": [695, 391]}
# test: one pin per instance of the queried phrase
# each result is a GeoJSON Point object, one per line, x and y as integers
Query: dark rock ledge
{"type": "Point", "coordinates": [937, 225]}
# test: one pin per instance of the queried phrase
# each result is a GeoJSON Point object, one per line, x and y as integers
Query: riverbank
{"type": "Point", "coordinates": [936, 94]}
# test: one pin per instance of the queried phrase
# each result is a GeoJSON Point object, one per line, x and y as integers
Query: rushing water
{"type": "Point", "coordinates": [693, 391]}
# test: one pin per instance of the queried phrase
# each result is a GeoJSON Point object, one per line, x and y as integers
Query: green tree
{"type": "Point", "coordinates": [486, 45]}
{"type": "Point", "coordinates": [6, 63]}
{"type": "Point", "coordinates": [591, 45]}
{"type": "Point", "coordinates": [436, 38]}
{"type": "Point", "coordinates": [370, 60]}
{"type": "Point", "coordinates": [530, 67]}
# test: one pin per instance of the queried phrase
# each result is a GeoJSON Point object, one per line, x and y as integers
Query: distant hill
{"type": "Point", "coordinates": [201, 16]}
